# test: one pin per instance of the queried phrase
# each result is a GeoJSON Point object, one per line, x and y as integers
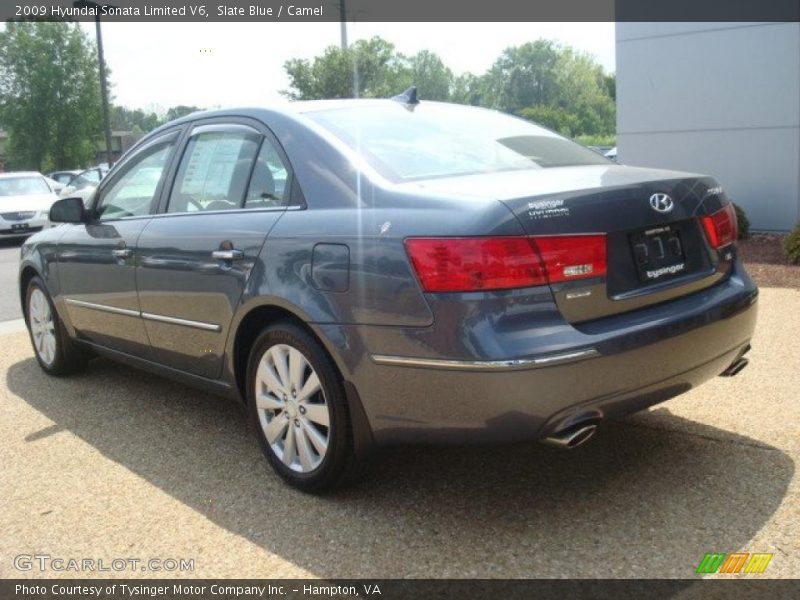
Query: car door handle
{"type": "Point", "coordinates": [122, 252]}
{"type": "Point", "coordinates": [227, 254]}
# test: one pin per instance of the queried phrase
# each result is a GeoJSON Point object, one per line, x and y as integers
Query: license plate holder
{"type": "Point", "coordinates": [658, 253]}
{"type": "Point", "coordinates": [19, 226]}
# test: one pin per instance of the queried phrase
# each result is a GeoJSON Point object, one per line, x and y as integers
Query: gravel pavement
{"type": "Point", "coordinates": [114, 463]}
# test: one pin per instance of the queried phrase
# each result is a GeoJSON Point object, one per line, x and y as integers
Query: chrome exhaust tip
{"type": "Point", "coordinates": [572, 437]}
{"type": "Point", "coordinates": [735, 368]}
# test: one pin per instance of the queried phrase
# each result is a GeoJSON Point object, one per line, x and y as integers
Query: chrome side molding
{"type": "Point", "coordinates": [102, 307]}
{"type": "Point", "coordinates": [184, 322]}
{"type": "Point", "coordinates": [485, 365]}
{"type": "Point", "coordinates": [145, 315]}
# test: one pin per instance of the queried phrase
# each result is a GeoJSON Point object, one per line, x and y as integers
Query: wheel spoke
{"type": "Point", "coordinates": [310, 387]}
{"type": "Point", "coordinates": [319, 442]}
{"type": "Point", "coordinates": [50, 342]}
{"type": "Point", "coordinates": [267, 375]}
{"type": "Point", "coordinates": [304, 450]}
{"type": "Point", "coordinates": [288, 447]}
{"type": "Point", "coordinates": [297, 368]}
{"type": "Point", "coordinates": [279, 360]}
{"type": "Point", "coordinates": [275, 428]}
{"type": "Point", "coordinates": [269, 402]}
{"type": "Point", "coordinates": [318, 413]}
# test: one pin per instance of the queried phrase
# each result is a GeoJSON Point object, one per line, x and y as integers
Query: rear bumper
{"type": "Point", "coordinates": [601, 369]}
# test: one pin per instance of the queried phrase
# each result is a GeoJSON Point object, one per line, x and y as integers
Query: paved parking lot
{"type": "Point", "coordinates": [9, 262]}
{"type": "Point", "coordinates": [114, 463]}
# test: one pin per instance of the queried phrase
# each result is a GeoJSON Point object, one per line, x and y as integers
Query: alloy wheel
{"type": "Point", "coordinates": [42, 326]}
{"type": "Point", "coordinates": [292, 408]}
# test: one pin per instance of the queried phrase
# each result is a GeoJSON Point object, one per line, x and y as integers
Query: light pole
{"type": "Point", "coordinates": [343, 23]}
{"type": "Point", "coordinates": [102, 63]}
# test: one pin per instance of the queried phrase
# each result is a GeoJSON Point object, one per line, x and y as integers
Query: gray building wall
{"type": "Point", "coordinates": [716, 98]}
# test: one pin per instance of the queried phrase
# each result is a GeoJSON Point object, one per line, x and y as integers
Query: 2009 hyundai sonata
{"type": "Point", "coordinates": [370, 272]}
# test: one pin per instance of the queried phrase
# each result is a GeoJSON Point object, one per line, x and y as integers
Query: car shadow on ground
{"type": "Point", "coordinates": [638, 500]}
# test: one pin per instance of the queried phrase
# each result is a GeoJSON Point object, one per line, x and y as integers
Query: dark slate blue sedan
{"type": "Point", "coordinates": [370, 272]}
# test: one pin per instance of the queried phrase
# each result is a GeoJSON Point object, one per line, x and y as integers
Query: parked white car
{"type": "Point", "coordinates": [84, 183]}
{"type": "Point", "coordinates": [25, 201]}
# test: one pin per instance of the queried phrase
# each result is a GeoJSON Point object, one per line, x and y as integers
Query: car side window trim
{"type": "Point", "coordinates": [289, 185]}
{"type": "Point", "coordinates": [121, 168]}
{"type": "Point", "coordinates": [192, 133]}
{"type": "Point", "coordinates": [296, 200]}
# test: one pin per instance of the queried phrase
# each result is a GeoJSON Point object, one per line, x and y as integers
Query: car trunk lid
{"type": "Point", "coordinates": [656, 247]}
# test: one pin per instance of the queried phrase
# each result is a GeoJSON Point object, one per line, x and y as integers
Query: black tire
{"type": "Point", "coordinates": [68, 358]}
{"type": "Point", "coordinates": [339, 465]}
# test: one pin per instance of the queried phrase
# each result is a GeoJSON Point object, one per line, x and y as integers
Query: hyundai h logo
{"type": "Point", "coordinates": [662, 203]}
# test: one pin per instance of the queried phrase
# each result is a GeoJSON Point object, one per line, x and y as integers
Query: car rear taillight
{"type": "Point", "coordinates": [499, 263]}
{"type": "Point", "coordinates": [721, 227]}
{"type": "Point", "coordinates": [572, 257]}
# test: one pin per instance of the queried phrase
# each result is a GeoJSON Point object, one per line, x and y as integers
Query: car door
{"type": "Point", "coordinates": [195, 257]}
{"type": "Point", "coordinates": [97, 259]}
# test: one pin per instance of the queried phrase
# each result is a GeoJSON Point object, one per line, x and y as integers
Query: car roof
{"type": "Point", "coordinates": [20, 174]}
{"type": "Point", "coordinates": [290, 109]}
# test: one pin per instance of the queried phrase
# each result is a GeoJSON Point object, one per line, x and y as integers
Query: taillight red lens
{"type": "Point", "coordinates": [498, 263]}
{"type": "Point", "coordinates": [474, 264]}
{"type": "Point", "coordinates": [572, 257]}
{"type": "Point", "coordinates": [721, 227]}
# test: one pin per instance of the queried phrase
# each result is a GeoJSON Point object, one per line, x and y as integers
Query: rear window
{"type": "Point", "coordinates": [437, 140]}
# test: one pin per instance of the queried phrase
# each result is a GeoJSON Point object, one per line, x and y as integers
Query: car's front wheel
{"type": "Point", "coordinates": [56, 353]}
{"type": "Point", "coordinates": [299, 410]}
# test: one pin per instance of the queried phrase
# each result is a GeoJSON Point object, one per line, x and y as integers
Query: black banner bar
{"type": "Point", "coordinates": [405, 10]}
{"type": "Point", "coordinates": [395, 589]}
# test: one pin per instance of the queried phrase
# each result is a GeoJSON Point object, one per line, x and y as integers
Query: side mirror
{"type": "Point", "coordinates": [68, 210]}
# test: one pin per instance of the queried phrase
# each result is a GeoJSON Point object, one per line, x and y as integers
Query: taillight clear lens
{"type": "Point", "coordinates": [721, 227]}
{"type": "Point", "coordinates": [498, 263]}
{"type": "Point", "coordinates": [474, 264]}
{"type": "Point", "coordinates": [572, 257]}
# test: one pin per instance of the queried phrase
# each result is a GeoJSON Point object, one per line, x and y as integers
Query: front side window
{"type": "Point", "coordinates": [434, 140]}
{"type": "Point", "coordinates": [214, 172]}
{"type": "Point", "coordinates": [131, 195]}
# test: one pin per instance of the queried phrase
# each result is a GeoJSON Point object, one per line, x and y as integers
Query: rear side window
{"type": "Point", "coordinates": [269, 183]}
{"type": "Point", "coordinates": [436, 140]}
{"type": "Point", "coordinates": [214, 172]}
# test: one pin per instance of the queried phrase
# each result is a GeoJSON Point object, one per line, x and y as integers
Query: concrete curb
{"type": "Point", "coordinates": [13, 326]}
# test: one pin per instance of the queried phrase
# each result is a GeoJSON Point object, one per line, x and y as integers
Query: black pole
{"type": "Point", "coordinates": [103, 89]}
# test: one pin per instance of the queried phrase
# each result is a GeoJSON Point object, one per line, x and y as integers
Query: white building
{"type": "Point", "coordinates": [716, 98]}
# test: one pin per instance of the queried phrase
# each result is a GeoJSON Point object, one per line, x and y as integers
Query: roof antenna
{"type": "Point", "coordinates": [407, 97]}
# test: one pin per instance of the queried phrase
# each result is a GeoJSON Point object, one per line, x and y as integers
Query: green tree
{"type": "Point", "coordinates": [541, 81]}
{"type": "Point", "coordinates": [136, 120]}
{"type": "Point", "coordinates": [469, 89]}
{"type": "Point", "coordinates": [176, 112]}
{"type": "Point", "coordinates": [367, 69]}
{"type": "Point", "coordinates": [553, 117]}
{"type": "Point", "coordinates": [568, 90]}
{"type": "Point", "coordinates": [49, 95]}
{"type": "Point", "coordinates": [523, 76]}
{"type": "Point", "coordinates": [433, 79]}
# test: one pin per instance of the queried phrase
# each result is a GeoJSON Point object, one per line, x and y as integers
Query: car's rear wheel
{"type": "Point", "coordinates": [56, 353]}
{"type": "Point", "coordinates": [299, 410]}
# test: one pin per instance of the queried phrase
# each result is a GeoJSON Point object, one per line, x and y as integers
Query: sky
{"type": "Point", "coordinates": [158, 65]}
